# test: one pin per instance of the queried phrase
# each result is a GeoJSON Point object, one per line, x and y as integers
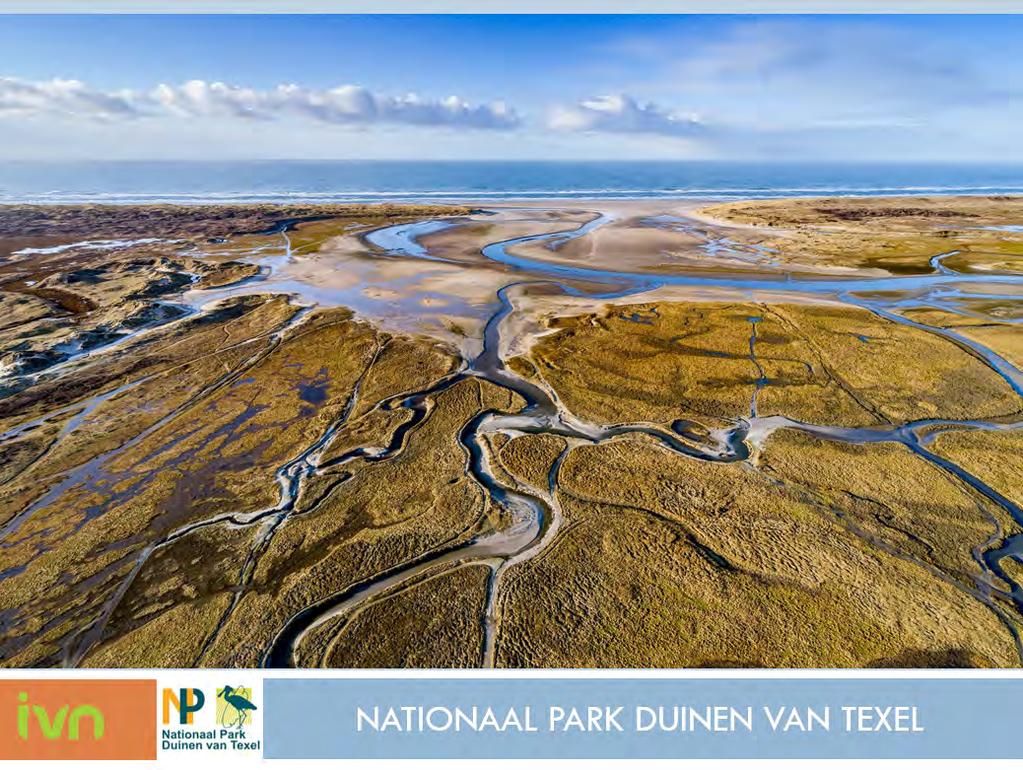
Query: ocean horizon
{"type": "Point", "coordinates": [297, 181]}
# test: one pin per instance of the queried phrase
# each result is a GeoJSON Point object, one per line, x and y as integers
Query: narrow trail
{"type": "Point", "coordinates": [761, 379]}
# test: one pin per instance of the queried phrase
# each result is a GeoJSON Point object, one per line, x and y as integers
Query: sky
{"type": "Point", "coordinates": [837, 88]}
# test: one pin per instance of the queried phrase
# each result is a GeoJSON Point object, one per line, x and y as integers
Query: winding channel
{"type": "Point", "coordinates": [534, 514]}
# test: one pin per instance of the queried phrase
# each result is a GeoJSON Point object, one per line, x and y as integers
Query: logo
{"type": "Point", "coordinates": [234, 706]}
{"type": "Point", "coordinates": [52, 728]}
{"type": "Point", "coordinates": [229, 722]}
{"type": "Point", "coordinates": [185, 701]}
{"type": "Point", "coordinates": [77, 719]}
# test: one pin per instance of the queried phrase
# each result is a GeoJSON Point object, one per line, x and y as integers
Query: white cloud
{"type": "Point", "coordinates": [343, 105]}
{"type": "Point", "coordinates": [199, 99]}
{"type": "Point", "coordinates": [413, 109]}
{"type": "Point", "coordinates": [621, 114]}
{"type": "Point", "coordinates": [63, 97]}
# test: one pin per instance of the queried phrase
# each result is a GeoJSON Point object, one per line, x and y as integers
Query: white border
{"type": "Point", "coordinates": [520, 7]}
{"type": "Point", "coordinates": [483, 7]}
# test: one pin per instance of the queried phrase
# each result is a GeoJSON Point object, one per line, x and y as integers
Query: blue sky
{"type": "Point", "coordinates": [466, 87]}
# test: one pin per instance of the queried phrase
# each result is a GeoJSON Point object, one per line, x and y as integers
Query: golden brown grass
{"type": "Point", "coordinates": [432, 623]}
{"type": "Point", "coordinates": [665, 561]}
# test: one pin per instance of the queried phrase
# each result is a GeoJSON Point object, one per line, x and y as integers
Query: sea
{"type": "Point", "coordinates": [267, 181]}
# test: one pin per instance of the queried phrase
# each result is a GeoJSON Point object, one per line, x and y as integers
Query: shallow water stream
{"type": "Point", "coordinates": [535, 517]}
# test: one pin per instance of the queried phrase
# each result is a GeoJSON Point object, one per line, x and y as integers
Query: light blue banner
{"type": "Point", "coordinates": [642, 718]}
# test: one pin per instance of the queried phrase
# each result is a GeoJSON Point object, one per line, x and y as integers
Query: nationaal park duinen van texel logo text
{"type": "Point", "coordinates": [190, 725]}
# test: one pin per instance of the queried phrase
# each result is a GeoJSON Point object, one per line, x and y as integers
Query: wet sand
{"type": "Point", "coordinates": [384, 405]}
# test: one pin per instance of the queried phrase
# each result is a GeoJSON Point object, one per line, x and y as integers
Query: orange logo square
{"type": "Point", "coordinates": [78, 719]}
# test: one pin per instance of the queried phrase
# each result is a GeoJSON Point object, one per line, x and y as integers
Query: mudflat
{"type": "Point", "coordinates": [568, 433]}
